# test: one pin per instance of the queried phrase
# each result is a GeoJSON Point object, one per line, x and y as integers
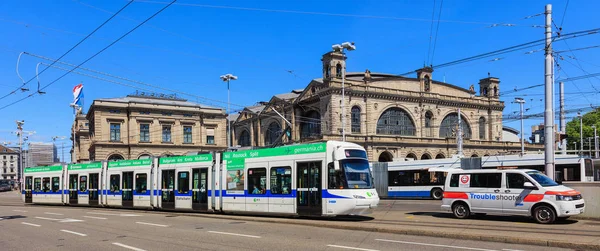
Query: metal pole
{"type": "Point", "coordinates": [74, 155]}
{"type": "Point", "coordinates": [459, 140]}
{"type": "Point", "coordinates": [548, 114]}
{"type": "Point", "coordinates": [521, 102]}
{"type": "Point", "coordinates": [63, 151]}
{"type": "Point", "coordinates": [563, 120]}
{"type": "Point", "coordinates": [590, 144]}
{"type": "Point", "coordinates": [228, 117]}
{"type": "Point", "coordinates": [580, 133]}
{"type": "Point", "coordinates": [343, 105]}
{"type": "Point", "coordinates": [21, 172]}
{"type": "Point", "coordinates": [595, 143]}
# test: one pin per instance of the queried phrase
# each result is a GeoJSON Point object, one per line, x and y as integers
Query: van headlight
{"type": "Point", "coordinates": [564, 198]}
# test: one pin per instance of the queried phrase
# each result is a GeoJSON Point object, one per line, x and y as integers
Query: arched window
{"type": "Point", "coordinates": [440, 156]}
{"type": "Point", "coordinates": [428, 124]}
{"type": "Point", "coordinates": [355, 117]}
{"type": "Point", "coordinates": [449, 127]}
{"type": "Point", "coordinates": [425, 156]}
{"type": "Point", "coordinates": [495, 91]}
{"type": "Point", "coordinates": [395, 121]}
{"type": "Point", "coordinates": [386, 157]}
{"type": "Point", "coordinates": [338, 70]}
{"type": "Point", "coordinates": [485, 91]}
{"type": "Point", "coordinates": [145, 156]}
{"type": "Point", "coordinates": [474, 155]}
{"type": "Point", "coordinates": [427, 82]}
{"type": "Point", "coordinates": [411, 156]}
{"type": "Point", "coordinates": [115, 157]}
{"type": "Point", "coordinates": [244, 139]}
{"type": "Point", "coordinates": [482, 128]}
{"type": "Point", "coordinates": [327, 70]}
{"type": "Point", "coordinates": [272, 133]}
{"type": "Point", "coordinates": [311, 125]}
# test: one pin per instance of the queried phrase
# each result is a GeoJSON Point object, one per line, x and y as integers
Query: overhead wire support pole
{"type": "Point", "coordinates": [459, 139]}
{"type": "Point", "coordinates": [521, 101]}
{"type": "Point", "coordinates": [548, 113]}
{"type": "Point", "coordinates": [563, 122]}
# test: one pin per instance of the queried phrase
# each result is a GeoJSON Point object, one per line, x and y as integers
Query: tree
{"type": "Point", "coordinates": [589, 119]}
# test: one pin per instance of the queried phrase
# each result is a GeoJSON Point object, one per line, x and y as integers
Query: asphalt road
{"type": "Point", "coordinates": [77, 228]}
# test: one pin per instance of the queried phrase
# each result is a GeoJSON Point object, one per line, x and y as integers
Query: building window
{"type": "Point", "coordinates": [449, 127]}
{"type": "Point", "coordinates": [210, 136]}
{"type": "Point", "coordinates": [144, 132]}
{"type": "Point", "coordinates": [482, 128]}
{"type": "Point", "coordinates": [395, 121]}
{"type": "Point", "coordinates": [327, 71]}
{"type": "Point", "coordinates": [311, 128]}
{"type": "Point", "coordinates": [338, 70]}
{"type": "Point", "coordinates": [244, 139]}
{"type": "Point", "coordinates": [115, 132]}
{"type": "Point", "coordinates": [272, 133]}
{"type": "Point", "coordinates": [428, 124]}
{"type": "Point", "coordinates": [166, 133]}
{"type": "Point", "coordinates": [187, 134]}
{"type": "Point", "coordinates": [115, 111]}
{"type": "Point", "coordinates": [187, 115]}
{"type": "Point", "coordinates": [355, 118]}
{"type": "Point", "coordinates": [427, 82]}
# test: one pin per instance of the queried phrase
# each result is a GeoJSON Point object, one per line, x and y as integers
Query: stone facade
{"type": "Point", "coordinates": [392, 116]}
{"type": "Point", "coordinates": [9, 164]}
{"type": "Point", "coordinates": [142, 126]}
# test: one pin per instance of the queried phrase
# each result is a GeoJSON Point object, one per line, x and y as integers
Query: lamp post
{"type": "Point", "coordinates": [75, 107]}
{"type": "Point", "coordinates": [350, 47]}
{"type": "Point", "coordinates": [521, 101]}
{"type": "Point", "coordinates": [54, 138]}
{"type": "Point", "coordinates": [595, 142]}
{"type": "Point", "coordinates": [580, 132]}
{"type": "Point", "coordinates": [227, 78]}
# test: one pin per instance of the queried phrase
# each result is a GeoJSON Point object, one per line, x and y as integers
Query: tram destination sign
{"type": "Point", "coordinates": [235, 160]}
{"type": "Point", "coordinates": [95, 165]}
{"type": "Point", "coordinates": [129, 163]}
{"type": "Point", "coordinates": [186, 159]}
{"type": "Point", "coordinates": [42, 169]}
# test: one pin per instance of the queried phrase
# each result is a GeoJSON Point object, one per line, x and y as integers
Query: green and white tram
{"type": "Point", "coordinates": [320, 179]}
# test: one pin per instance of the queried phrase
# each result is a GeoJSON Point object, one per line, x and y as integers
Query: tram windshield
{"type": "Point", "coordinates": [358, 174]}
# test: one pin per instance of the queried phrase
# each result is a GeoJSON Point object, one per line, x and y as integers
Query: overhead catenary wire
{"type": "Point", "coordinates": [93, 56]}
{"type": "Point", "coordinates": [68, 51]}
{"type": "Point", "coordinates": [436, 33]}
{"type": "Point", "coordinates": [426, 61]}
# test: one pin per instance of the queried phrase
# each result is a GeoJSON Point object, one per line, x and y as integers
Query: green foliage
{"type": "Point", "coordinates": [589, 119]}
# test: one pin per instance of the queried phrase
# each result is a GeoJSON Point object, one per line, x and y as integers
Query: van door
{"type": "Point", "coordinates": [484, 189]}
{"type": "Point", "coordinates": [513, 199]}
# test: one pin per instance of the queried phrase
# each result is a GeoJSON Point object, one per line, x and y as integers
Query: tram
{"type": "Point", "coordinates": [319, 179]}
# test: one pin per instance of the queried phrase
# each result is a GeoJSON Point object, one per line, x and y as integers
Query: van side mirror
{"type": "Point", "coordinates": [529, 185]}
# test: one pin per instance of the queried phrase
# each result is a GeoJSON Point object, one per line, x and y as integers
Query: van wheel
{"type": "Point", "coordinates": [437, 194]}
{"type": "Point", "coordinates": [544, 214]}
{"type": "Point", "coordinates": [461, 210]}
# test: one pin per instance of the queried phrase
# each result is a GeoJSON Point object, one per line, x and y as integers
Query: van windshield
{"type": "Point", "coordinates": [542, 179]}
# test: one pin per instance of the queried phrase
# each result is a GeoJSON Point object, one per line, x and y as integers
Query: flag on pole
{"type": "Point", "coordinates": [78, 95]}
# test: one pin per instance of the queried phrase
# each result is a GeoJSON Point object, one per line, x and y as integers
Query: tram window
{"type": "Point", "coordinates": [83, 183]}
{"type": "Point", "coordinates": [336, 178]}
{"type": "Point", "coordinates": [257, 180]}
{"type": "Point", "coordinates": [37, 184]}
{"type": "Point", "coordinates": [235, 180]}
{"type": "Point", "coordinates": [55, 184]}
{"type": "Point", "coordinates": [183, 182]}
{"type": "Point", "coordinates": [46, 184]}
{"type": "Point", "coordinates": [281, 180]}
{"type": "Point", "coordinates": [114, 182]}
{"type": "Point", "coordinates": [141, 181]}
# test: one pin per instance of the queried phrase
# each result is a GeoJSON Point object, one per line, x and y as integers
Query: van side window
{"type": "Point", "coordinates": [454, 180]}
{"type": "Point", "coordinates": [487, 180]}
{"type": "Point", "coordinates": [515, 180]}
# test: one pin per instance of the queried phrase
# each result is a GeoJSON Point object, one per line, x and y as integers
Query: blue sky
{"type": "Point", "coordinates": [189, 45]}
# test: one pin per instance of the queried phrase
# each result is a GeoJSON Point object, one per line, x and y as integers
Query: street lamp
{"type": "Point", "coordinates": [595, 142]}
{"type": "Point", "coordinates": [580, 132]}
{"type": "Point", "coordinates": [75, 107]}
{"type": "Point", "coordinates": [521, 101]}
{"type": "Point", "coordinates": [350, 47]}
{"type": "Point", "coordinates": [227, 78]}
{"type": "Point", "coordinates": [54, 138]}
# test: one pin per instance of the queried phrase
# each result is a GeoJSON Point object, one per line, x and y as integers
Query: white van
{"type": "Point", "coordinates": [509, 192]}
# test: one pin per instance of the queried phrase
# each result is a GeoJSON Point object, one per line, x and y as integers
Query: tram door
{"type": "Point", "coordinates": [73, 189]}
{"type": "Point", "coordinates": [168, 184]}
{"type": "Point", "coordinates": [93, 191]}
{"type": "Point", "coordinates": [199, 189]}
{"type": "Point", "coordinates": [127, 189]}
{"type": "Point", "coordinates": [28, 194]}
{"type": "Point", "coordinates": [308, 188]}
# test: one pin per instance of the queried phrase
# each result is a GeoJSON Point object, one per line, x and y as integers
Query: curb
{"type": "Point", "coordinates": [416, 232]}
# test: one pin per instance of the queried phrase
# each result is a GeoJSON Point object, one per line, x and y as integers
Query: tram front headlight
{"type": "Point", "coordinates": [359, 196]}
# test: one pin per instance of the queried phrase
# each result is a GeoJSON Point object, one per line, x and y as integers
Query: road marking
{"type": "Point", "coordinates": [70, 220]}
{"type": "Point", "coordinates": [151, 224]}
{"type": "Point", "coordinates": [94, 217]}
{"type": "Point", "coordinates": [435, 245]}
{"type": "Point", "coordinates": [67, 220]}
{"type": "Point", "coordinates": [113, 214]}
{"type": "Point", "coordinates": [344, 247]}
{"type": "Point", "coordinates": [71, 232]}
{"type": "Point", "coordinates": [506, 249]}
{"type": "Point", "coordinates": [53, 213]}
{"type": "Point", "coordinates": [22, 211]}
{"type": "Point", "coordinates": [30, 224]}
{"type": "Point", "coordinates": [128, 247]}
{"type": "Point", "coordinates": [44, 218]}
{"type": "Point", "coordinates": [242, 235]}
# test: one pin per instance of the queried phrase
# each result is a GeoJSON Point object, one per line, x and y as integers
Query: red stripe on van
{"type": "Point", "coordinates": [455, 195]}
{"type": "Point", "coordinates": [568, 193]}
{"type": "Point", "coordinates": [533, 198]}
